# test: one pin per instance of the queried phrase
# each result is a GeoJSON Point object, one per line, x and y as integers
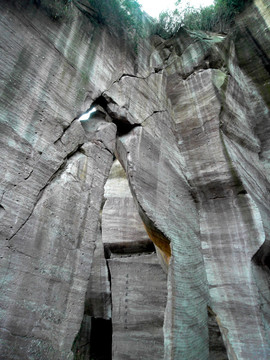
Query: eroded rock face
{"type": "Point", "coordinates": [127, 289]}
{"type": "Point", "coordinates": [49, 261]}
{"type": "Point", "coordinates": [138, 298]}
{"type": "Point", "coordinates": [216, 132]}
{"type": "Point", "coordinates": [53, 174]}
{"type": "Point", "coordinates": [176, 218]}
{"type": "Point", "coordinates": [190, 120]}
{"type": "Point", "coordinates": [122, 228]}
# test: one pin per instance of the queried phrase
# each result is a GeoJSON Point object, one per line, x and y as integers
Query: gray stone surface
{"type": "Point", "coordinates": [48, 261]}
{"type": "Point", "coordinates": [133, 292]}
{"type": "Point", "coordinates": [192, 119]}
{"type": "Point", "coordinates": [98, 295]}
{"type": "Point", "coordinates": [154, 166]}
{"type": "Point", "coordinates": [138, 299]}
{"type": "Point", "coordinates": [122, 227]}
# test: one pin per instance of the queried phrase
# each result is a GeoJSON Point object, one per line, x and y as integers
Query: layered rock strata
{"type": "Point", "coordinates": [138, 298]}
{"type": "Point", "coordinates": [129, 288]}
{"type": "Point", "coordinates": [52, 182]}
{"type": "Point", "coordinates": [138, 283]}
{"type": "Point", "coordinates": [190, 120]}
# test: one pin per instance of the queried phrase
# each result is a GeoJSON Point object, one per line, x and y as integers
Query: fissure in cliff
{"type": "Point", "coordinates": [188, 119]}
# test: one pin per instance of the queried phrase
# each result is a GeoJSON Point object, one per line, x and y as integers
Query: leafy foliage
{"type": "Point", "coordinates": [121, 15]}
{"type": "Point", "coordinates": [115, 14]}
{"type": "Point", "coordinates": [124, 17]}
{"type": "Point", "coordinates": [218, 17]}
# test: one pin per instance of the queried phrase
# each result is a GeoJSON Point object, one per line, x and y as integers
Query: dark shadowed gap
{"type": "Point", "coordinates": [261, 273]}
{"type": "Point", "coordinates": [262, 256]}
{"type": "Point", "coordinates": [101, 339]}
{"type": "Point", "coordinates": [135, 248]}
{"type": "Point", "coordinates": [123, 126]}
{"type": "Point", "coordinates": [217, 349]}
{"type": "Point", "coordinates": [94, 340]}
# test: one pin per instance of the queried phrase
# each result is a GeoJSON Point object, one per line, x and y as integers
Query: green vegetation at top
{"type": "Point", "coordinates": [118, 14]}
{"type": "Point", "coordinates": [126, 16]}
{"type": "Point", "coordinates": [218, 17]}
{"type": "Point", "coordinates": [123, 16]}
{"type": "Point", "coordinates": [115, 14]}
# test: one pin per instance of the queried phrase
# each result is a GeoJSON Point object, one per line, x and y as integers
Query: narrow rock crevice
{"type": "Point", "coordinates": [157, 70]}
{"type": "Point", "coordinates": [101, 144]}
{"type": "Point", "coordinates": [103, 100]}
{"type": "Point", "coordinates": [94, 340]}
{"type": "Point", "coordinates": [126, 75]}
{"type": "Point", "coordinates": [261, 272]}
{"type": "Point", "coordinates": [262, 256]}
{"type": "Point", "coordinates": [65, 129]}
{"type": "Point", "coordinates": [2, 211]}
{"type": "Point", "coordinates": [153, 113]}
{"type": "Point", "coordinates": [217, 348]}
{"type": "Point", "coordinates": [56, 174]}
{"type": "Point", "coordinates": [121, 122]}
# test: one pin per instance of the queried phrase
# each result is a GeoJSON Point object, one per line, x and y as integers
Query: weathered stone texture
{"type": "Point", "coordinates": [138, 299]}
{"type": "Point", "coordinates": [49, 260]}
{"type": "Point", "coordinates": [214, 112]}
{"type": "Point", "coordinates": [191, 118]}
{"type": "Point", "coordinates": [138, 283]}
{"type": "Point", "coordinates": [51, 185]}
{"type": "Point", "coordinates": [167, 207]}
{"type": "Point", "coordinates": [122, 228]}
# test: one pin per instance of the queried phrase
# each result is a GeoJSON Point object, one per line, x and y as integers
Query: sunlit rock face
{"type": "Point", "coordinates": [188, 119]}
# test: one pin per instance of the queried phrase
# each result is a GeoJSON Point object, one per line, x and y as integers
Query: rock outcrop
{"type": "Point", "coordinates": [188, 119]}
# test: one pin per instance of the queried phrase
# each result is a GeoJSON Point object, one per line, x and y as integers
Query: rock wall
{"type": "Point", "coordinates": [138, 283]}
{"type": "Point", "coordinates": [53, 175]}
{"type": "Point", "coordinates": [130, 289]}
{"type": "Point", "coordinates": [188, 119]}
